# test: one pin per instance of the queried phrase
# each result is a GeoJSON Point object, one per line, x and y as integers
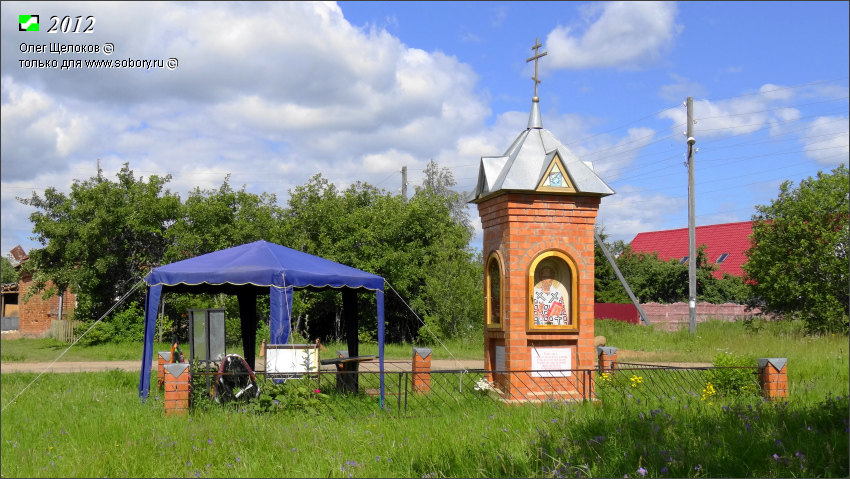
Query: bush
{"type": "Point", "coordinates": [736, 376]}
{"type": "Point", "coordinates": [125, 326]}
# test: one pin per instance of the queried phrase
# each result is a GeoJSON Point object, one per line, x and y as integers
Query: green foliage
{"type": "Point", "coordinates": [735, 376]}
{"type": "Point", "coordinates": [105, 235]}
{"type": "Point", "coordinates": [124, 326]}
{"type": "Point", "coordinates": [7, 271]}
{"type": "Point", "coordinates": [222, 218]}
{"type": "Point", "coordinates": [416, 245]}
{"type": "Point", "coordinates": [101, 238]}
{"type": "Point", "coordinates": [294, 396]}
{"type": "Point", "coordinates": [654, 280]}
{"type": "Point", "coordinates": [799, 254]}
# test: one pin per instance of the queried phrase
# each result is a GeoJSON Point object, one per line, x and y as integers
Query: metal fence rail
{"type": "Point", "coordinates": [434, 393]}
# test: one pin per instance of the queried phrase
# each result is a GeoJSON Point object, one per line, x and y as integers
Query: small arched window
{"type": "Point", "coordinates": [493, 282]}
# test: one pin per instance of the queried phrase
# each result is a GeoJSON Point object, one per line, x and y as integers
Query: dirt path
{"type": "Point", "coordinates": [135, 365]}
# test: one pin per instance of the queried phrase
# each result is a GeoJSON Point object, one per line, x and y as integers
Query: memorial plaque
{"type": "Point", "coordinates": [551, 362]}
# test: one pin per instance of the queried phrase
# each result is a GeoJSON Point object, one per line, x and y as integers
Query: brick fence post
{"type": "Point", "coordinates": [177, 388]}
{"type": "Point", "coordinates": [163, 358]}
{"type": "Point", "coordinates": [773, 377]}
{"type": "Point", "coordinates": [421, 370]}
{"type": "Point", "coordinates": [607, 358]}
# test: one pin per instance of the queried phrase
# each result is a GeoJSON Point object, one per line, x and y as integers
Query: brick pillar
{"type": "Point", "coordinates": [163, 358]}
{"type": "Point", "coordinates": [421, 370]}
{"type": "Point", "coordinates": [607, 358]}
{"type": "Point", "coordinates": [176, 388]}
{"type": "Point", "coordinates": [773, 377]}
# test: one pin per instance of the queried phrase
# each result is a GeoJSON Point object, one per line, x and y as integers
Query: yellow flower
{"type": "Point", "coordinates": [708, 391]}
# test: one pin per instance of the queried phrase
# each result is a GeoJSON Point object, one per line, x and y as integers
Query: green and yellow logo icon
{"type": "Point", "coordinates": [28, 23]}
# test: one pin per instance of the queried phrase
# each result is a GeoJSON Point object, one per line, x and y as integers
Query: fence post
{"type": "Point", "coordinates": [421, 370]}
{"type": "Point", "coordinates": [163, 358]}
{"type": "Point", "coordinates": [177, 386]}
{"type": "Point", "coordinates": [607, 358]}
{"type": "Point", "coordinates": [773, 377]}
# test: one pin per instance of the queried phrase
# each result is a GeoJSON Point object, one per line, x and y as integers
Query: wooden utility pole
{"type": "Point", "coordinates": [404, 182]}
{"type": "Point", "coordinates": [692, 248]}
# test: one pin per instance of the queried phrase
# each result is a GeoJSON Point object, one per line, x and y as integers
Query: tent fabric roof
{"type": "Point", "coordinates": [262, 264]}
{"type": "Point", "coordinates": [522, 166]}
{"type": "Point", "coordinates": [731, 238]}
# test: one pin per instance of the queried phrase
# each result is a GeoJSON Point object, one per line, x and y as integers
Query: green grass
{"type": "Point", "coordinates": [72, 425]}
{"type": "Point", "coordinates": [47, 350]}
{"type": "Point", "coordinates": [817, 365]}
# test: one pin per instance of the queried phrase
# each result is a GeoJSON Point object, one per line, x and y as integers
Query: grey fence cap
{"type": "Point", "coordinates": [423, 352]}
{"type": "Point", "coordinates": [778, 363]}
{"type": "Point", "coordinates": [342, 354]}
{"type": "Point", "coordinates": [176, 369]}
{"type": "Point", "coordinates": [609, 350]}
{"type": "Point", "coordinates": [166, 355]}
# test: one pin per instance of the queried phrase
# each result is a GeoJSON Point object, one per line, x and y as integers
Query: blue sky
{"type": "Point", "coordinates": [272, 93]}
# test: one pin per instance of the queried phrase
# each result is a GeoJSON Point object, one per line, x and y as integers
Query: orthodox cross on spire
{"type": "Point", "coordinates": [536, 57]}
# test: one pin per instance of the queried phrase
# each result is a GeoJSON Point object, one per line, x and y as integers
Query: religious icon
{"type": "Point", "coordinates": [551, 300]}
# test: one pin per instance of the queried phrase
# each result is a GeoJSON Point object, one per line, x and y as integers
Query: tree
{"type": "Point", "coordinates": [416, 245]}
{"type": "Point", "coordinates": [7, 271]}
{"type": "Point", "coordinates": [101, 238]}
{"type": "Point", "coordinates": [654, 280]}
{"type": "Point", "coordinates": [211, 220]}
{"type": "Point", "coordinates": [798, 261]}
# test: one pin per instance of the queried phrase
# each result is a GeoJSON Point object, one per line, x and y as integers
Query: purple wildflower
{"type": "Point", "coordinates": [775, 456]}
{"type": "Point", "coordinates": [641, 471]}
{"type": "Point", "coordinates": [209, 441]}
{"type": "Point", "coordinates": [664, 470]}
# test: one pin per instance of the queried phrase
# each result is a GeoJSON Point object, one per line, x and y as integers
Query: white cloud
{"type": "Point", "coordinates": [736, 116]}
{"type": "Point", "coordinates": [622, 35]}
{"type": "Point", "coordinates": [312, 93]}
{"type": "Point", "coordinates": [827, 140]}
{"type": "Point", "coordinates": [632, 210]}
{"type": "Point", "coordinates": [38, 132]}
{"type": "Point", "coordinates": [681, 89]}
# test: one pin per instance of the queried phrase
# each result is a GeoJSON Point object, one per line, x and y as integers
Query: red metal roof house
{"type": "Point", "coordinates": [725, 245]}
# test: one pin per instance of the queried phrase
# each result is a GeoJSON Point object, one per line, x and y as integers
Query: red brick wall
{"type": "Point", "coordinates": [676, 315]}
{"type": "Point", "coordinates": [36, 314]}
{"type": "Point", "coordinates": [520, 227]}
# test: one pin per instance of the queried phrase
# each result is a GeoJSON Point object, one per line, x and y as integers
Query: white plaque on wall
{"type": "Point", "coordinates": [500, 358]}
{"type": "Point", "coordinates": [557, 360]}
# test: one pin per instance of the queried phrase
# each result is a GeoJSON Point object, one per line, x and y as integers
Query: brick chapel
{"type": "Point", "coordinates": [538, 204]}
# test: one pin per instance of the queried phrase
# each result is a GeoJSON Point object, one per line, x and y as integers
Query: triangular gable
{"type": "Point", "coordinates": [556, 178]}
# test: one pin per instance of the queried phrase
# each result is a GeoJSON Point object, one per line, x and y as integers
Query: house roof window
{"type": "Point", "coordinates": [722, 258]}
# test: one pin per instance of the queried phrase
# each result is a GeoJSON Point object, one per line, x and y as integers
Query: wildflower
{"type": "Point", "coordinates": [636, 380]}
{"type": "Point", "coordinates": [775, 456]}
{"type": "Point", "coordinates": [317, 391]}
{"type": "Point", "coordinates": [209, 441]}
{"type": "Point", "coordinates": [664, 470]}
{"type": "Point", "coordinates": [641, 471]}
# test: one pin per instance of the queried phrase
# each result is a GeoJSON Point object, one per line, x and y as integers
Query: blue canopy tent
{"type": "Point", "coordinates": [260, 268]}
